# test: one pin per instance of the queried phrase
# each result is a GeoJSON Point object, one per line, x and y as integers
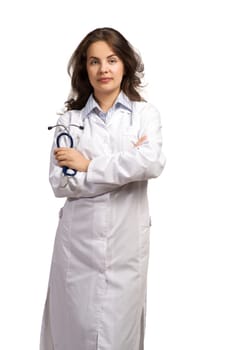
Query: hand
{"type": "Point", "coordinates": [140, 141]}
{"type": "Point", "coordinates": [71, 158]}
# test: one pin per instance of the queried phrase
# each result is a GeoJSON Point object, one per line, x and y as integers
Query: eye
{"type": "Point", "coordinates": [112, 60]}
{"type": "Point", "coordinates": [93, 61]}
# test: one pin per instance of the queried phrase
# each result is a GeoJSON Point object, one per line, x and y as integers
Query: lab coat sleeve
{"type": "Point", "coordinates": [141, 163]}
{"type": "Point", "coordinates": [73, 186]}
{"type": "Point", "coordinates": [76, 186]}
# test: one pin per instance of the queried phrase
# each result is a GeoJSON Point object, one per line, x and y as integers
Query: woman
{"type": "Point", "coordinates": [97, 286]}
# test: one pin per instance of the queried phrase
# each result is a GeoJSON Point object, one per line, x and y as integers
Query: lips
{"type": "Point", "coordinates": [104, 80]}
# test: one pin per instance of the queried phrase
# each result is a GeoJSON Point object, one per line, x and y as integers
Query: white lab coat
{"type": "Point", "coordinates": [97, 285]}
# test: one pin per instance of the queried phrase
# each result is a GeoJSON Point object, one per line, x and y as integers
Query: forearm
{"type": "Point", "coordinates": [139, 164]}
{"type": "Point", "coordinates": [76, 186]}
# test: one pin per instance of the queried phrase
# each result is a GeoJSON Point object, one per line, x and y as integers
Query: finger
{"type": "Point", "coordinates": [143, 138]}
{"type": "Point", "coordinates": [57, 151]}
{"type": "Point", "coordinates": [60, 149]}
{"type": "Point", "coordinates": [140, 141]}
{"type": "Point", "coordinates": [61, 155]}
{"type": "Point", "coordinates": [63, 163]}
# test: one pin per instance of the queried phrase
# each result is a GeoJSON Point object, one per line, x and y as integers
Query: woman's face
{"type": "Point", "coordinates": [105, 69]}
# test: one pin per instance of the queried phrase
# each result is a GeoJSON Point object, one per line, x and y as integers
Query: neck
{"type": "Point", "coordinates": [106, 101]}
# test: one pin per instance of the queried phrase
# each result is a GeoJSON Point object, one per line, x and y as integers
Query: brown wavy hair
{"type": "Point", "coordinates": [133, 66]}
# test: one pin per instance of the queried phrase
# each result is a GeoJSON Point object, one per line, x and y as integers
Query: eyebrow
{"type": "Point", "coordinates": [97, 58]}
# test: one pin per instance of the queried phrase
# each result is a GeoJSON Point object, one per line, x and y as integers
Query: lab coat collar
{"type": "Point", "coordinates": [121, 101]}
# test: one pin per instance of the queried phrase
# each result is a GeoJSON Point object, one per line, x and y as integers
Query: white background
{"type": "Point", "coordinates": [187, 48]}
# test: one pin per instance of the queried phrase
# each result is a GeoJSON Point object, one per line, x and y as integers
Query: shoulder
{"type": "Point", "coordinates": [68, 116]}
{"type": "Point", "coordinates": [146, 110]}
{"type": "Point", "coordinates": [144, 106]}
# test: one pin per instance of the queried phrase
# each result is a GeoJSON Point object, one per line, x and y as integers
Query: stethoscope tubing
{"type": "Point", "coordinates": [66, 171]}
{"type": "Point", "coordinates": [67, 135]}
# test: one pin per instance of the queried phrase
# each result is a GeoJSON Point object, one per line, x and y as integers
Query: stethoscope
{"type": "Point", "coordinates": [66, 171]}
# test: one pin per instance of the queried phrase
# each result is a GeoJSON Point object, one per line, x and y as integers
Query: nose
{"type": "Point", "coordinates": [103, 67]}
